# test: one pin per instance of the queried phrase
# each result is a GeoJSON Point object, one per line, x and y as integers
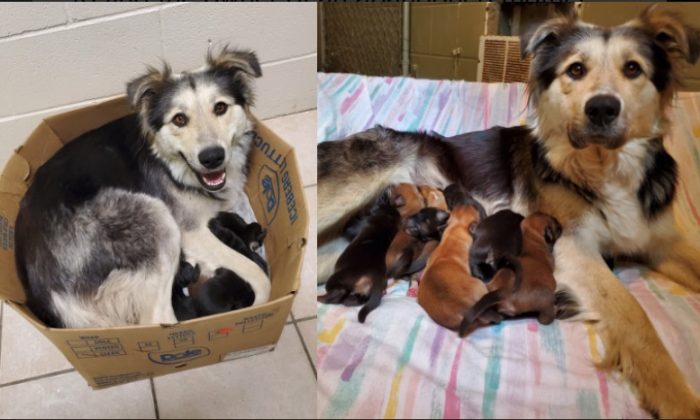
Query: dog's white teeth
{"type": "Point", "coordinates": [215, 178]}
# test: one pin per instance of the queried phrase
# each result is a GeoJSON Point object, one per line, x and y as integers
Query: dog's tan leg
{"type": "Point", "coordinates": [680, 263]}
{"type": "Point", "coordinates": [631, 343]}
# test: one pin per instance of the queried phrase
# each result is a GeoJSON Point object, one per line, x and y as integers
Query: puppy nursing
{"type": "Point", "coordinates": [386, 243]}
{"type": "Point", "coordinates": [447, 290]}
{"type": "Point", "coordinates": [359, 275]}
{"type": "Point", "coordinates": [478, 269]}
{"type": "Point", "coordinates": [535, 293]}
{"type": "Point", "coordinates": [225, 290]}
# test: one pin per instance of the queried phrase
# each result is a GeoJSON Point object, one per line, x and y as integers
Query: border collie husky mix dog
{"type": "Point", "coordinates": [100, 231]}
{"type": "Point", "coordinates": [592, 156]}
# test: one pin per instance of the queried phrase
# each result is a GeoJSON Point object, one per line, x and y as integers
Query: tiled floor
{"type": "Point", "coordinates": [36, 381]}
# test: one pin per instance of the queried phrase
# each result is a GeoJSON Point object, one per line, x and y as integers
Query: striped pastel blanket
{"type": "Point", "coordinates": [401, 364]}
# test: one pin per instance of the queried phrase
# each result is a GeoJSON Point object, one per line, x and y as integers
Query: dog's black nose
{"type": "Point", "coordinates": [212, 157]}
{"type": "Point", "coordinates": [602, 109]}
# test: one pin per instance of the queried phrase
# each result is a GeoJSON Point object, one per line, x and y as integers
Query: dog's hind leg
{"type": "Point", "coordinates": [353, 171]}
{"type": "Point", "coordinates": [631, 343]}
{"type": "Point", "coordinates": [134, 240]}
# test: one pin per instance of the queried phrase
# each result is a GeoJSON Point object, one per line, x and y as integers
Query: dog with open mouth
{"type": "Point", "coordinates": [136, 194]}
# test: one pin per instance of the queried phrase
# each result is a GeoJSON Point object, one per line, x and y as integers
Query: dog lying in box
{"type": "Point", "coordinates": [120, 204]}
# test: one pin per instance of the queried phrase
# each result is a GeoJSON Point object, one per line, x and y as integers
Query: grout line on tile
{"type": "Point", "coordinates": [306, 350]}
{"type": "Point", "coordinates": [307, 318]}
{"type": "Point", "coordinates": [298, 111]}
{"type": "Point", "coordinates": [34, 378]}
{"type": "Point", "coordinates": [155, 400]}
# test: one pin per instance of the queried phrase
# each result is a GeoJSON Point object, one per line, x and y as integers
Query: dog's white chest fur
{"type": "Point", "coordinates": [618, 224]}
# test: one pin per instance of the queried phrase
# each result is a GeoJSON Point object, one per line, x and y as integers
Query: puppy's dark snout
{"type": "Point", "coordinates": [602, 110]}
{"type": "Point", "coordinates": [212, 157]}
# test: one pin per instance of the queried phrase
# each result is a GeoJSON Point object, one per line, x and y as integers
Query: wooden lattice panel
{"type": "Point", "coordinates": [500, 60]}
{"type": "Point", "coordinates": [363, 38]}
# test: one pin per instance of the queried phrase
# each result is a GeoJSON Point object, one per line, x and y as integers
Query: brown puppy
{"type": "Point", "coordinates": [404, 247]}
{"type": "Point", "coordinates": [447, 289]}
{"type": "Point", "coordinates": [360, 271]}
{"type": "Point", "coordinates": [536, 293]}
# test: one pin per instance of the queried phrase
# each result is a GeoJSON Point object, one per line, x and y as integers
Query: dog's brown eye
{"type": "Point", "coordinates": [220, 108]}
{"type": "Point", "coordinates": [632, 70]}
{"type": "Point", "coordinates": [180, 119]}
{"type": "Point", "coordinates": [576, 71]}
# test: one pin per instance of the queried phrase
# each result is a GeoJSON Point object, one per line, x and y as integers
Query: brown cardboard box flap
{"type": "Point", "coordinates": [277, 196]}
{"type": "Point", "coordinates": [91, 117]}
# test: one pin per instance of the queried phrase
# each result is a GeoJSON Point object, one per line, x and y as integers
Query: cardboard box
{"type": "Point", "coordinates": [111, 356]}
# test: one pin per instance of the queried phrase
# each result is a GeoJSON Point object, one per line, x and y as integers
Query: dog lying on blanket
{"type": "Point", "coordinates": [592, 156]}
{"type": "Point", "coordinates": [137, 193]}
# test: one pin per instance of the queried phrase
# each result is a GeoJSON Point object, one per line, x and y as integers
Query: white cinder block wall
{"type": "Point", "coordinates": [58, 56]}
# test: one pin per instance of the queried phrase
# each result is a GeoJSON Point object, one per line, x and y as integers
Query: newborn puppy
{"type": "Point", "coordinates": [183, 304]}
{"type": "Point", "coordinates": [244, 238]}
{"type": "Point", "coordinates": [427, 226]}
{"type": "Point", "coordinates": [496, 236]}
{"type": "Point", "coordinates": [433, 197]}
{"type": "Point", "coordinates": [536, 292]}
{"type": "Point", "coordinates": [252, 234]}
{"type": "Point", "coordinates": [447, 290]}
{"type": "Point", "coordinates": [224, 291]}
{"type": "Point", "coordinates": [404, 247]}
{"type": "Point", "coordinates": [360, 270]}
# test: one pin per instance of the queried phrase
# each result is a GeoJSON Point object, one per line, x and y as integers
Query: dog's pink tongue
{"type": "Point", "coordinates": [214, 178]}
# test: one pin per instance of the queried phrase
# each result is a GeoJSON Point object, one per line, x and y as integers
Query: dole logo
{"type": "Point", "coordinates": [174, 357]}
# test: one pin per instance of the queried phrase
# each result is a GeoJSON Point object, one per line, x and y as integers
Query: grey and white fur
{"type": "Point", "coordinates": [100, 230]}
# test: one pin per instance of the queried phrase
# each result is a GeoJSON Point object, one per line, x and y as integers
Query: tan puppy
{"type": "Point", "coordinates": [433, 197]}
{"type": "Point", "coordinates": [447, 290]}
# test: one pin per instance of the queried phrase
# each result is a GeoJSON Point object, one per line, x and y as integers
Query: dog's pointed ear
{"type": "Point", "coordinates": [546, 33]}
{"type": "Point", "coordinates": [680, 41]}
{"type": "Point", "coordinates": [141, 90]}
{"type": "Point", "coordinates": [232, 59]}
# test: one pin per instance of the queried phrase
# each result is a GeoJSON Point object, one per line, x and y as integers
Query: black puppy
{"type": "Point", "coordinates": [359, 275]}
{"type": "Point", "coordinates": [183, 304]}
{"type": "Point", "coordinates": [496, 237]}
{"type": "Point", "coordinates": [225, 290]}
{"type": "Point", "coordinates": [427, 226]}
{"type": "Point", "coordinates": [244, 238]}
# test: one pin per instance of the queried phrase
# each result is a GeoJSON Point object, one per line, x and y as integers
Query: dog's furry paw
{"type": "Point", "coordinates": [566, 304]}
